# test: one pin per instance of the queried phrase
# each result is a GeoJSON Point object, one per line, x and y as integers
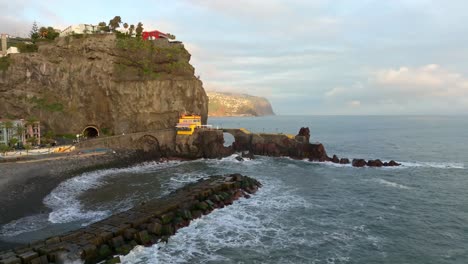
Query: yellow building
{"type": "Point", "coordinates": [187, 124]}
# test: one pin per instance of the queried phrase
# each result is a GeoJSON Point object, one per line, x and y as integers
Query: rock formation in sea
{"type": "Point", "coordinates": [118, 85]}
{"type": "Point", "coordinates": [236, 104]}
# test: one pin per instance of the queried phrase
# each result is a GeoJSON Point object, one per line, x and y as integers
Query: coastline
{"type": "Point", "coordinates": [25, 184]}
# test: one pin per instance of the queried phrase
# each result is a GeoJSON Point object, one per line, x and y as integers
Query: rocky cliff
{"type": "Point", "coordinates": [118, 85]}
{"type": "Point", "coordinates": [232, 104]}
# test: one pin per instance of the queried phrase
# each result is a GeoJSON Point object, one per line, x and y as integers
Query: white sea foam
{"type": "Point", "coordinates": [24, 225]}
{"type": "Point", "coordinates": [64, 201]}
{"type": "Point", "coordinates": [437, 165]}
{"type": "Point", "coordinates": [392, 184]}
{"type": "Point", "coordinates": [259, 226]}
{"type": "Point", "coordinates": [65, 204]}
{"type": "Point", "coordinates": [180, 180]}
{"type": "Point", "coordinates": [404, 164]}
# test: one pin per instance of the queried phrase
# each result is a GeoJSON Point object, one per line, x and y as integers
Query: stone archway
{"type": "Point", "coordinates": [148, 143]}
{"type": "Point", "coordinates": [91, 132]}
{"type": "Point", "coordinates": [228, 139]}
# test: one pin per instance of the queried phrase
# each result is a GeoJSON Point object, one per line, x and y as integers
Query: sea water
{"type": "Point", "coordinates": [306, 212]}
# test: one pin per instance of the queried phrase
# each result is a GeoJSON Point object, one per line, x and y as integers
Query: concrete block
{"type": "Point", "coordinates": [12, 260]}
{"type": "Point", "coordinates": [28, 256]}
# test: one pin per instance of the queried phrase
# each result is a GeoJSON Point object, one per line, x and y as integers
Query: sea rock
{"type": "Point", "coordinates": [393, 163]}
{"type": "Point", "coordinates": [305, 133]}
{"type": "Point", "coordinates": [344, 161]}
{"type": "Point", "coordinates": [248, 155]}
{"type": "Point", "coordinates": [239, 158]}
{"type": "Point", "coordinates": [375, 163]}
{"type": "Point", "coordinates": [359, 163]}
{"type": "Point", "coordinates": [316, 152]}
{"type": "Point", "coordinates": [335, 159]}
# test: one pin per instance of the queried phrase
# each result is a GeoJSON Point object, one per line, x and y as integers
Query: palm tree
{"type": "Point", "coordinates": [8, 125]}
{"type": "Point", "coordinates": [19, 133]}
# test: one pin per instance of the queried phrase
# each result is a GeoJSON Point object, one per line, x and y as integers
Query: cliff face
{"type": "Point", "coordinates": [232, 104]}
{"type": "Point", "coordinates": [117, 85]}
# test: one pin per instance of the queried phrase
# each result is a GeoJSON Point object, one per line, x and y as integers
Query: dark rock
{"type": "Point", "coordinates": [12, 260]}
{"type": "Point", "coordinates": [142, 237]}
{"type": "Point", "coordinates": [239, 158]}
{"type": "Point", "coordinates": [344, 161]}
{"type": "Point", "coordinates": [304, 132]}
{"type": "Point", "coordinates": [335, 159]}
{"type": "Point", "coordinates": [167, 218]}
{"type": "Point", "coordinates": [167, 230]}
{"type": "Point", "coordinates": [155, 228]}
{"type": "Point", "coordinates": [104, 251]}
{"type": "Point", "coordinates": [393, 163]}
{"type": "Point", "coordinates": [28, 256]}
{"type": "Point", "coordinates": [129, 234]}
{"type": "Point", "coordinates": [359, 163]}
{"type": "Point", "coordinates": [248, 155]}
{"type": "Point", "coordinates": [316, 152]}
{"type": "Point", "coordinates": [375, 163]}
{"type": "Point", "coordinates": [117, 241]}
{"type": "Point", "coordinates": [115, 260]}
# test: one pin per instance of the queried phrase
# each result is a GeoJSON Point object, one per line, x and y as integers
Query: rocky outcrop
{"type": "Point", "coordinates": [151, 222]}
{"type": "Point", "coordinates": [116, 85]}
{"type": "Point", "coordinates": [234, 104]}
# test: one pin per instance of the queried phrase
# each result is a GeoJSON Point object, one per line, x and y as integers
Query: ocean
{"type": "Point", "coordinates": [306, 212]}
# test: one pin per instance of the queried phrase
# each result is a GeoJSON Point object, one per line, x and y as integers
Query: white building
{"type": "Point", "coordinates": [12, 50]}
{"type": "Point", "coordinates": [79, 29]}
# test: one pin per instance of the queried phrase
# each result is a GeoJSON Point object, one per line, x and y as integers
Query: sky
{"type": "Point", "coordinates": [308, 57]}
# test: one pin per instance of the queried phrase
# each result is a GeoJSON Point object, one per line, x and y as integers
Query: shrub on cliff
{"type": "Point", "coordinates": [4, 63]}
{"type": "Point", "coordinates": [26, 48]}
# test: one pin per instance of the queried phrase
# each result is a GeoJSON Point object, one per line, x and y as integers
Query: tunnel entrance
{"type": "Point", "coordinates": [91, 132]}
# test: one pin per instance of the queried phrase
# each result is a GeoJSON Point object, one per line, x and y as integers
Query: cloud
{"type": "Point", "coordinates": [354, 103]}
{"type": "Point", "coordinates": [427, 89]}
{"type": "Point", "coordinates": [430, 80]}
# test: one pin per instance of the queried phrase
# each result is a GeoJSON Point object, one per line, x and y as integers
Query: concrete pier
{"type": "Point", "coordinates": [145, 224]}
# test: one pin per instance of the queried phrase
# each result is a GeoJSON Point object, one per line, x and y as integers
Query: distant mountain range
{"type": "Point", "coordinates": [234, 104]}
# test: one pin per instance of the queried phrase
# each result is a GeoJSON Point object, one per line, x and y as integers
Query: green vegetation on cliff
{"type": "Point", "coordinates": [232, 104]}
{"type": "Point", "coordinates": [150, 60]}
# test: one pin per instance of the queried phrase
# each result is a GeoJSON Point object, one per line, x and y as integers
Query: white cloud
{"type": "Point", "coordinates": [426, 89]}
{"type": "Point", "coordinates": [354, 103]}
{"type": "Point", "coordinates": [429, 80]}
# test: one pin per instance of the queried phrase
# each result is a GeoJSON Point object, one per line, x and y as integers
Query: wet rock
{"type": "Point", "coordinates": [142, 237]}
{"type": "Point", "coordinates": [167, 230]}
{"type": "Point", "coordinates": [167, 218]}
{"type": "Point", "coordinates": [359, 163]}
{"type": "Point", "coordinates": [344, 161]}
{"type": "Point", "coordinates": [304, 132]}
{"type": "Point", "coordinates": [117, 241]}
{"type": "Point", "coordinates": [155, 228]}
{"type": "Point", "coordinates": [375, 163]}
{"type": "Point", "coordinates": [104, 251]}
{"type": "Point", "coordinates": [393, 163]}
{"type": "Point", "coordinates": [239, 158]}
{"type": "Point", "coordinates": [335, 159]}
{"type": "Point", "coordinates": [248, 155]}
{"type": "Point", "coordinates": [113, 260]}
{"type": "Point", "coordinates": [12, 260]}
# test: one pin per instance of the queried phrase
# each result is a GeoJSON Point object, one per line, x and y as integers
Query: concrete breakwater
{"type": "Point", "coordinates": [146, 224]}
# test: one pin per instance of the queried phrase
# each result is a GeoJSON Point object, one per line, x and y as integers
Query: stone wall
{"type": "Point", "coordinates": [146, 224]}
{"type": "Point", "coordinates": [146, 141]}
